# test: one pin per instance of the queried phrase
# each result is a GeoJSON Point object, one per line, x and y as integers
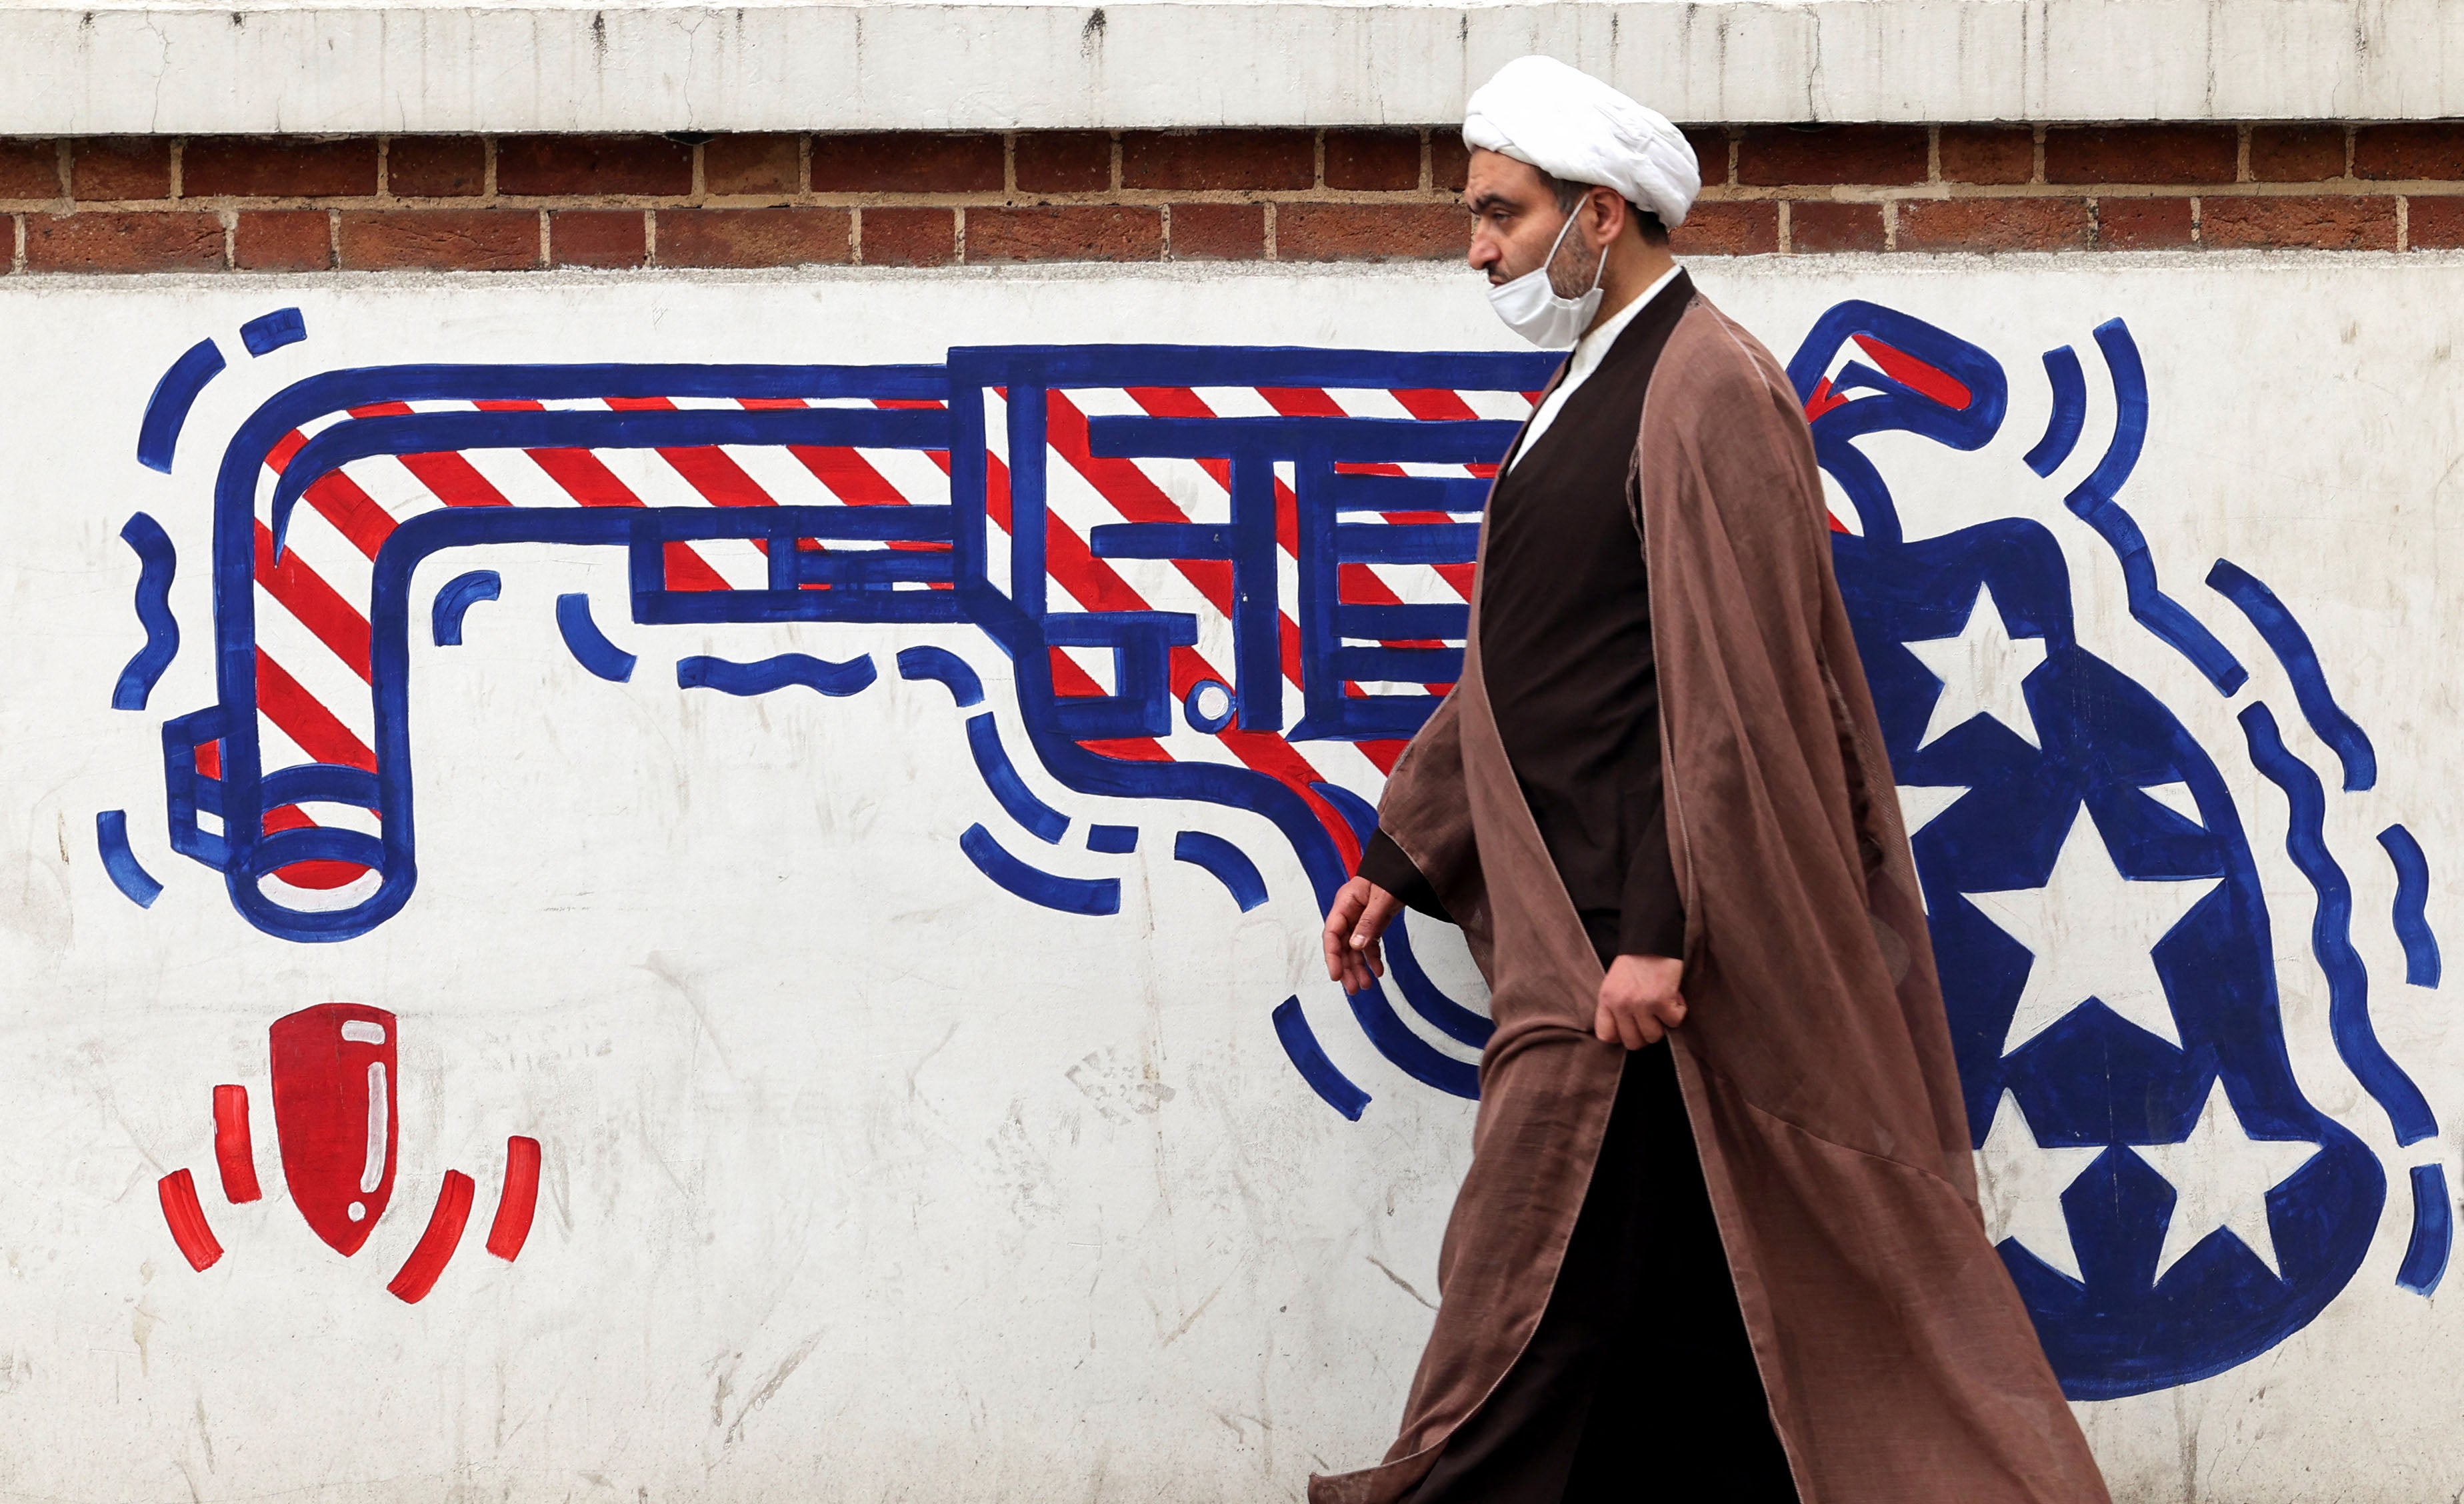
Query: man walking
{"type": "Point", "coordinates": [1719, 1240]}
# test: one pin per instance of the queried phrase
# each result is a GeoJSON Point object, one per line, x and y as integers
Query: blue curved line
{"type": "Point", "coordinates": [2291, 645]}
{"type": "Point", "coordinates": [1357, 812]}
{"type": "Point", "coordinates": [2348, 982]}
{"type": "Point", "coordinates": [983, 739]}
{"type": "Point", "coordinates": [167, 410]}
{"type": "Point", "coordinates": [460, 593]}
{"type": "Point", "coordinates": [111, 835]}
{"type": "Point", "coordinates": [2421, 966]}
{"type": "Point", "coordinates": [1230, 865]}
{"type": "Point", "coordinates": [1069, 894]}
{"type": "Point", "coordinates": [1113, 839]}
{"type": "Point", "coordinates": [2434, 1232]}
{"type": "Point", "coordinates": [1449, 1016]}
{"type": "Point", "coordinates": [2093, 501]}
{"type": "Point", "coordinates": [727, 678]}
{"type": "Point", "coordinates": [588, 645]}
{"type": "Point", "coordinates": [1309, 1058]}
{"type": "Point", "coordinates": [1443, 1012]}
{"type": "Point", "coordinates": [940, 663]}
{"type": "Point", "coordinates": [266, 333]}
{"type": "Point", "coordinates": [157, 562]}
{"type": "Point", "coordinates": [2069, 416]}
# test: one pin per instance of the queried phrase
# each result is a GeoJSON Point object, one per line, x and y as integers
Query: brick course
{"type": "Point", "coordinates": [911, 236]}
{"type": "Point", "coordinates": [1820, 226]}
{"type": "Point", "coordinates": [283, 240]}
{"type": "Point", "coordinates": [242, 167]}
{"type": "Point", "coordinates": [440, 239]}
{"type": "Point", "coordinates": [2151, 154]}
{"type": "Point", "coordinates": [1218, 231]}
{"type": "Point", "coordinates": [473, 203]}
{"type": "Point", "coordinates": [104, 168]}
{"type": "Point", "coordinates": [30, 170]}
{"type": "Point", "coordinates": [785, 236]}
{"type": "Point", "coordinates": [605, 238]}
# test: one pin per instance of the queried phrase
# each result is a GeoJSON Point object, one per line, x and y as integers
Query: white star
{"type": "Point", "coordinates": [1984, 671]}
{"type": "Point", "coordinates": [2176, 797]}
{"type": "Point", "coordinates": [1920, 802]}
{"type": "Point", "coordinates": [2020, 1183]}
{"type": "Point", "coordinates": [2092, 933]}
{"type": "Point", "coordinates": [2223, 1176]}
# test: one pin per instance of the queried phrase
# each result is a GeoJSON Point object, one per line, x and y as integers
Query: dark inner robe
{"type": "Point", "coordinates": [1641, 1346]}
{"type": "Point", "coordinates": [1565, 621]}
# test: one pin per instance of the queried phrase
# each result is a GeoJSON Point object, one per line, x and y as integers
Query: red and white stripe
{"type": "Point", "coordinates": [314, 698]}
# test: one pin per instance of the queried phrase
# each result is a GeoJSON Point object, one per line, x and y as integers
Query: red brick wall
{"type": "Point", "coordinates": [510, 203]}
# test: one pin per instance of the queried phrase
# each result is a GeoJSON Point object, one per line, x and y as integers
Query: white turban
{"type": "Point", "coordinates": [1571, 125]}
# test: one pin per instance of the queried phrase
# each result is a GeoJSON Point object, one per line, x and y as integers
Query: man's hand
{"type": "Point", "coordinates": [1361, 912]}
{"type": "Point", "coordinates": [1638, 1001]}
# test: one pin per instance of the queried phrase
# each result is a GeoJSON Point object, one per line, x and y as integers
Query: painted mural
{"type": "Point", "coordinates": [1179, 606]}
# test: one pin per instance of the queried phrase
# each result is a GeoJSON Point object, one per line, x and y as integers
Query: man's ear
{"type": "Point", "coordinates": [1605, 217]}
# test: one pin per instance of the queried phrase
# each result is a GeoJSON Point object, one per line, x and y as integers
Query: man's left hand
{"type": "Point", "coordinates": [1639, 1003]}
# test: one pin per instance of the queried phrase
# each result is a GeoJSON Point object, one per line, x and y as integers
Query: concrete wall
{"type": "Point", "coordinates": [175, 67]}
{"type": "Point", "coordinates": [891, 1149]}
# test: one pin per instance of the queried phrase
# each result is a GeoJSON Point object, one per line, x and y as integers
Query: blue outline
{"type": "Point", "coordinates": [460, 593]}
{"type": "Point", "coordinates": [1228, 863]}
{"type": "Point", "coordinates": [588, 645]}
{"type": "Point", "coordinates": [1040, 820]}
{"type": "Point", "coordinates": [1114, 840]}
{"type": "Point", "coordinates": [167, 410]}
{"type": "Point", "coordinates": [820, 675]}
{"type": "Point", "coordinates": [266, 333]}
{"type": "Point", "coordinates": [158, 564]}
{"type": "Point", "coordinates": [2093, 501]}
{"type": "Point", "coordinates": [1309, 1057]}
{"type": "Point", "coordinates": [240, 851]}
{"type": "Point", "coordinates": [1011, 611]}
{"type": "Point", "coordinates": [1894, 408]}
{"type": "Point", "coordinates": [2069, 415]}
{"type": "Point", "coordinates": [928, 662]}
{"type": "Point", "coordinates": [127, 874]}
{"type": "Point", "coordinates": [2348, 985]}
{"type": "Point", "coordinates": [2291, 645]}
{"type": "Point", "coordinates": [2421, 963]}
{"type": "Point", "coordinates": [1442, 1012]}
{"type": "Point", "coordinates": [1209, 724]}
{"type": "Point", "coordinates": [2434, 1232]}
{"type": "Point", "coordinates": [1095, 895]}
{"type": "Point", "coordinates": [1013, 616]}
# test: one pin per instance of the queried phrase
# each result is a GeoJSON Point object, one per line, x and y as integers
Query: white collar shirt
{"type": "Point", "coordinates": [1589, 352]}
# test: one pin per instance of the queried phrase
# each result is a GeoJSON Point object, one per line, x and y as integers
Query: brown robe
{"type": "Point", "coordinates": [1816, 1059]}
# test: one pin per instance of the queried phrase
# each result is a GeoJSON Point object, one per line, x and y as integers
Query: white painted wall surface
{"type": "Point", "coordinates": [865, 1180]}
{"type": "Point", "coordinates": [192, 68]}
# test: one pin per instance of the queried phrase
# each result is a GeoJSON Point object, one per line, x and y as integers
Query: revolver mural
{"type": "Point", "coordinates": [1242, 576]}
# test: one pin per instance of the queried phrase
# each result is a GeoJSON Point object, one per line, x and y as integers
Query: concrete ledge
{"type": "Point", "coordinates": [193, 69]}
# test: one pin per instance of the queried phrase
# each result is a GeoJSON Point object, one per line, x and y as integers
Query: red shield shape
{"type": "Point", "coordinates": [334, 1071]}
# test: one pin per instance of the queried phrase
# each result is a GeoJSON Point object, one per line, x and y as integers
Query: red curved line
{"type": "Point", "coordinates": [1917, 375]}
{"type": "Point", "coordinates": [436, 1245]}
{"type": "Point", "coordinates": [179, 1192]}
{"type": "Point", "coordinates": [518, 1201]}
{"type": "Point", "coordinates": [234, 1150]}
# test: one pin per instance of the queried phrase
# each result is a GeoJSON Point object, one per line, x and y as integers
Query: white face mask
{"type": "Point", "coordinates": [1534, 310]}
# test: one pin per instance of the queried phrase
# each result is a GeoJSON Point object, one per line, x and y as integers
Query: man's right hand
{"type": "Point", "coordinates": [1361, 912]}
